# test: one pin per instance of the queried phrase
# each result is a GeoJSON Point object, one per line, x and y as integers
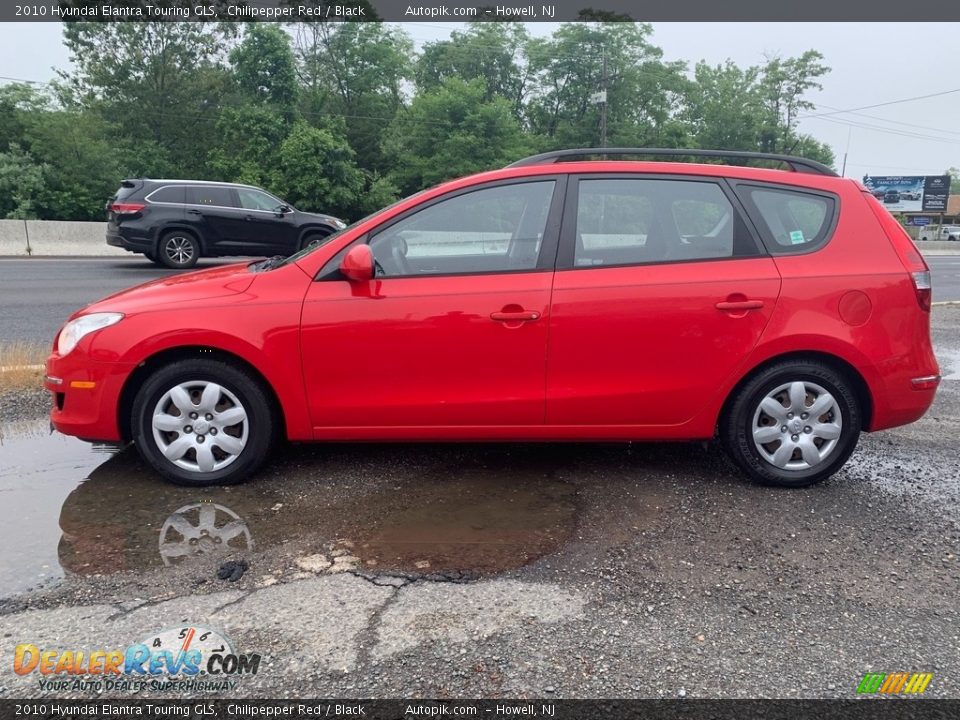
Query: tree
{"type": "Point", "coordinates": [783, 87]}
{"type": "Point", "coordinates": [355, 70]}
{"type": "Point", "coordinates": [724, 107]}
{"type": "Point", "coordinates": [315, 170]}
{"type": "Point", "coordinates": [494, 52]}
{"type": "Point", "coordinates": [21, 179]}
{"type": "Point", "coordinates": [264, 67]}
{"type": "Point", "coordinates": [450, 132]}
{"type": "Point", "coordinates": [642, 89]}
{"type": "Point", "coordinates": [248, 140]}
{"type": "Point", "coordinates": [159, 82]}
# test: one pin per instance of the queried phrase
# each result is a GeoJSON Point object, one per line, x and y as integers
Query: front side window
{"type": "Point", "coordinates": [257, 200]}
{"type": "Point", "coordinates": [494, 229]}
{"type": "Point", "coordinates": [210, 195]}
{"type": "Point", "coordinates": [626, 221]}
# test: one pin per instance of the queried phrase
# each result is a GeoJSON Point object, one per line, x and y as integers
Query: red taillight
{"type": "Point", "coordinates": [126, 208]}
{"type": "Point", "coordinates": [909, 255]}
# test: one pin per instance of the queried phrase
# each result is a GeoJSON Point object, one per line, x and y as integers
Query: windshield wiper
{"type": "Point", "coordinates": [268, 264]}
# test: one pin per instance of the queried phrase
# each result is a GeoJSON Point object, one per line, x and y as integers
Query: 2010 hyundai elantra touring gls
{"type": "Point", "coordinates": [781, 310]}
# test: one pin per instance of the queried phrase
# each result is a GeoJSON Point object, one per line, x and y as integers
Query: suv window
{"type": "Point", "coordinates": [168, 194]}
{"type": "Point", "coordinates": [494, 229]}
{"type": "Point", "coordinates": [627, 221]}
{"type": "Point", "coordinates": [212, 195]}
{"type": "Point", "coordinates": [256, 200]}
{"type": "Point", "coordinates": [795, 221]}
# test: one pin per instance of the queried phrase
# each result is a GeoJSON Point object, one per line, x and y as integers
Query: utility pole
{"type": "Point", "coordinates": [603, 90]}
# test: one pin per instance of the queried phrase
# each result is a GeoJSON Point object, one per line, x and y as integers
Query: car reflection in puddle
{"type": "Point", "coordinates": [473, 521]}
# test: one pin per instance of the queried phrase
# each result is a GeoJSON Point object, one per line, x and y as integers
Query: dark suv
{"type": "Point", "coordinates": [175, 222]}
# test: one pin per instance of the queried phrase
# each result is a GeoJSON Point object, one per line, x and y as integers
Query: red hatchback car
{"type": "Point", "coordinates": [782, 311]}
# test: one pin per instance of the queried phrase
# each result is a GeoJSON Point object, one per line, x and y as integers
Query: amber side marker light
{"type": "Point", "coordinates": [82, 384]}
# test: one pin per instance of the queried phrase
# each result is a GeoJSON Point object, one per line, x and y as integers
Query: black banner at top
{"type": "Point", "coordinates": [292, 11]}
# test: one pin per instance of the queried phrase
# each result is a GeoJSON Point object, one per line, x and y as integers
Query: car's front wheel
{"type": "Point", "coordinates": [203, 422]}
{"type": "Point", "coordinates": [179, 250]}
{"type": "Point", "coordinates": [793, 424]}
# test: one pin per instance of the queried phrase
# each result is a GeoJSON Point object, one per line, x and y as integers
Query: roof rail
{"type": "Point", "coordinates": [796, 164]}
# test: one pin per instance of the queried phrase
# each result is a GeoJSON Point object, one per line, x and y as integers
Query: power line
{"type": "Point", "coordinates": [883, 104]}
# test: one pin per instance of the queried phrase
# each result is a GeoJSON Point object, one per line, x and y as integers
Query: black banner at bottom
{"type": "Point", "coordinates": [198, 709]}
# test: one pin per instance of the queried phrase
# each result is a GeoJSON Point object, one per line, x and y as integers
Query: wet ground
{"type": "Point", "coordinates": [504, 570]}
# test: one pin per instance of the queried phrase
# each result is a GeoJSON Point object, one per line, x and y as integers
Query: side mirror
{"type": "Point", "coordinates": [283, 210]}
{"type": "Point", "coordinates": [357, 264]}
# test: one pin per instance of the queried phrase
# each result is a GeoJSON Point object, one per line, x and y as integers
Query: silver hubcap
{"type": "Point", "coordinates": [796, 426]}
{"type": "Point", "coordinates": [195, 529]}
{"type": "Point", "coordinates": [179, 249]}
{"type": "Point", "coordinates": [200, 426]}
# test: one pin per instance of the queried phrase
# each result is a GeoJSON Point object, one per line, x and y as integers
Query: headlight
{"type": "Point", "coordinates": [76, 329]}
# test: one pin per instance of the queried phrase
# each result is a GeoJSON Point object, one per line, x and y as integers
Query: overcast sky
{"type": "Point", "coordinates": [872, 64]}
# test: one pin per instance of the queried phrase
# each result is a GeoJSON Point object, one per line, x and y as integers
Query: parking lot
{"type": "Point", "coordinates": [501, 570]}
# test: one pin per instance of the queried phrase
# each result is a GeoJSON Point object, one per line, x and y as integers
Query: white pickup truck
{"type": "Point", "coordinates": [946, 232]}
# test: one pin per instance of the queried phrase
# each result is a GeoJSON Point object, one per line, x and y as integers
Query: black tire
{"type": "Point", "coordinates": [178, 250]}
{"type": "Point", "coordinates": [743, 411]}
{"type": "Point", "coordinates": [252, 398]}
{"type": "Point", "coordinates": [313, 237]}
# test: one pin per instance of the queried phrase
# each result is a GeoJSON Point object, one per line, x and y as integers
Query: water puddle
{"type": "Point", "coordinates": [37, 472]}
{"type": "Point", "coordinates": [68, 509]}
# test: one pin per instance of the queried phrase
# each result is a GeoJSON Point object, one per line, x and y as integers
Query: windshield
{"type": "Point", "coordinates": [310, 248]}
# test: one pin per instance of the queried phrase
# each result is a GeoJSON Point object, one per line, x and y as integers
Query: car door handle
{"type": "Point", "coordinates": [739, 305]}
{"type": "Point", "coordinates": [514, 316]}
{"type": "Point", "coordinates": [194, 212]}
{"type": "Point", "coordinates": [248, 218]}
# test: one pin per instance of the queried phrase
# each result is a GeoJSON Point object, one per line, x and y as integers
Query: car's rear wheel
{"type": "Point", "coordinates": [179, 250]}
{"type": "Point", "coordinates": [792, 424]}
{"type": "Point", "coordinates": [203, 422]}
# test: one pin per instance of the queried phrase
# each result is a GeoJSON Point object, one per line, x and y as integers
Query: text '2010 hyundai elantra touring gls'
{"type": "Point", "coordinates": [783, 311]}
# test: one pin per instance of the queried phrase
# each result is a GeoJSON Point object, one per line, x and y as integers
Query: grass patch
{"type": "Point", "coordinates": [16, 365]}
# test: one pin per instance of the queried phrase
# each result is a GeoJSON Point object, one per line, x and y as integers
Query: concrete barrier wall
{"type": "Point", "coordinates": [54, 237]}
{"type": "Point", "coordinates": [77, 239]}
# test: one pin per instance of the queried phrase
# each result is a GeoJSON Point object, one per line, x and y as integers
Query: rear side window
{"type": "Point", "coordinates": [627, 221]}
{"type": "Point", "coordinates": [210, 195]}
{"type": "Point", "coordinates": [792, 221]}
{"type": "Point", "coordinates": [169, 194]}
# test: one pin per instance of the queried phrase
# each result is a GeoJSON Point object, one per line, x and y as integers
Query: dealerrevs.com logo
{"type": "Point", "coordinates": [180, 659]}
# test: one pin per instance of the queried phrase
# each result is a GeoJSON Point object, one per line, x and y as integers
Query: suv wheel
{"type": "Point", "coordinates": [178, 250]}
{"type": "Point", "coordinates": [312, 239]}
{"type": "Point", "coordinates": [793, 424]}
{"type": "Point", "coordinates": [203, 422]}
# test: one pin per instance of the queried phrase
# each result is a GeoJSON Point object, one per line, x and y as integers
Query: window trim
{"type": "Point", "coordinates": [568, 233]}
{"type": "Point", "coordinates": [232, 189]}
{"type": "Point", "coordinates": [546, 258]}
{"type": "Point", "coordinates": [743, 190]}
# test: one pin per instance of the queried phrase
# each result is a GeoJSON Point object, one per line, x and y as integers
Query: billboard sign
{"type": "Point", "coordinates": [910, 193]}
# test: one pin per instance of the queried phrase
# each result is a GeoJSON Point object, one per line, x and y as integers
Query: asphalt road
{"type": "Point", "coordinates": [37, 295]}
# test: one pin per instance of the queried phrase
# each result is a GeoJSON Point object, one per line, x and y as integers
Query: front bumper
{"type": "Point", "coordinates": [86, 396]}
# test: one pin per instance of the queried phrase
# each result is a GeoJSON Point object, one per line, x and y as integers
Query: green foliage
{"type": "Point", "coordinates": [453, 131]}
{"type": "Point", "coordinates": [342, 117]}
{"type": "Point", "coordinates": [264, 67]}
{"type": "Point", "coordinates": [21, 179]}
{"type": "Point", "coordinates": [315, 170]}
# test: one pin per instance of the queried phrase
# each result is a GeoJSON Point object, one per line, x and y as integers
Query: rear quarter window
{"type": "Point", "coordinates": [169, 194]}
{"type": "Point", "coordinates": [790, 221]}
